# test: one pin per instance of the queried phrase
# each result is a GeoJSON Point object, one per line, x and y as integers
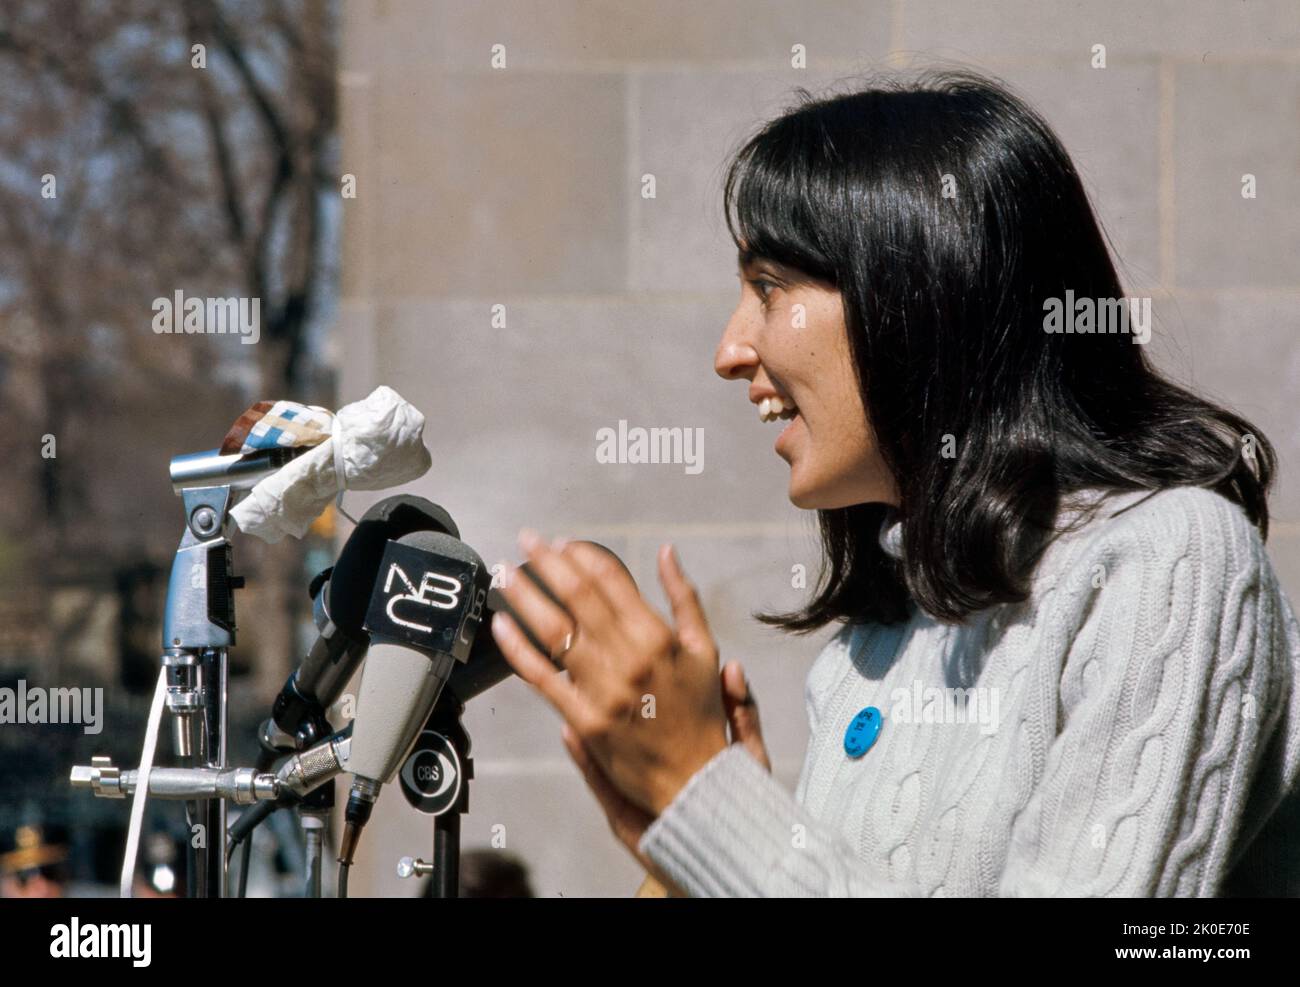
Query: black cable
{"type": "Point", "coordinates": [241, 831]}
{"type": "Point", "coordinates": [194, 861]}
{"type": "Point", "coordinates": [343, 880]}
{"type": "Point", "coordinates": [265, 760]}
{"type": "Point", "coordinates": [244, 858]}
{"type": "Point", "coordinates": [248, 821]}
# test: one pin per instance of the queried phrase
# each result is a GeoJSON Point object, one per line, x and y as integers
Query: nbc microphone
{"type": "Point", "coordinates": [340, 596]}
{"type": "Point", "coordinates": [428, 602]}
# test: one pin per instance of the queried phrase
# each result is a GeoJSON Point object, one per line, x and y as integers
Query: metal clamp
{"type": "Point", "coordinates": [243, 786]}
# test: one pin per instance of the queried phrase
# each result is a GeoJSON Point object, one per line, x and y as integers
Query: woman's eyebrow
{"type": "Point", "coordinates": [749, 262]}
{"type": "Point", "coordinates": [746, 259]}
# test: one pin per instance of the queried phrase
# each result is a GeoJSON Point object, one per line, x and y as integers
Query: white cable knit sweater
{"type": "Point", "coordinates": [1133, 729]}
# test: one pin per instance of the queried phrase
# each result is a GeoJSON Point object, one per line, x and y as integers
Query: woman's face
{"type": "Point", "coordinates": [787, 338]}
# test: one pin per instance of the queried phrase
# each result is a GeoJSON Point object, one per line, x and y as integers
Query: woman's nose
{"type": "Point", "coordinates": [735, 357]}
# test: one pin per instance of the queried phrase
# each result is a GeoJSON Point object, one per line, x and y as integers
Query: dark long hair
{"type": "Point", "coordinates": [986, 420]}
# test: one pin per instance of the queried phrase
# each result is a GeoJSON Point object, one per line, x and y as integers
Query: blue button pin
{"type": "Point", "coordinates": [862, 732]}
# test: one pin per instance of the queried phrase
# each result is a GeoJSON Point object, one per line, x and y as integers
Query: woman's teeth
{"type": "Point", "coordinates": [770, 409]}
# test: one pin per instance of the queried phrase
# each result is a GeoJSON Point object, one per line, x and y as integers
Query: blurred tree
{"type": "Point", "coordinates": [150, 146]}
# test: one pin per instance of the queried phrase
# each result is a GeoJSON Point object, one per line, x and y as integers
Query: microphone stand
{"type": "Point", "coordinates": [198, 630]}
{"type": "Point", "coordinates": [313, 816]}
{"type": "Point", "coordinates": [435, 780]}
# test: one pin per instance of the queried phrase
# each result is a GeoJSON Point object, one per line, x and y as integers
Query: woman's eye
{"type": "Point", "coordinates": [763, 288]}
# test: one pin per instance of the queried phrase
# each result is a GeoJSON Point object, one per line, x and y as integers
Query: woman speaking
{"type": "Point", "coordinates": [1065, 665]}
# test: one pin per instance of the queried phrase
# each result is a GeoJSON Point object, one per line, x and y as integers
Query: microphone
{"type": "Point", "coordinates": [424, 614]}
{"type": "Point", "coordinates": [240, 471]}
{"type": "Point", "coordinates": [340, 595]}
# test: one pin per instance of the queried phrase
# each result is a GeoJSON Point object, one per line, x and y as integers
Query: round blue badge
{"type": "Point", "coordinates": [862, 732]}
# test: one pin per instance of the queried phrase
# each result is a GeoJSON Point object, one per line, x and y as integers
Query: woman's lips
{"type": "Point", "coordinates": [796, 425]}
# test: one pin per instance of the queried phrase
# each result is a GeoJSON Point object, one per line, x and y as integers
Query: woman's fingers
{"type": "Point", "coordinates": [537, 669]}
{"type": "Point", "coordinates": [642, 626]}
{"type": "Point", "coordinates": [582, 601]}
{"type": "Point", "coordinates": [692, 625]}
{"type": "Point", "coordinates": [608, 572]}
{"type": "Point", "coordinates": [547, 622]}
{"type": "Point", "coordinates": [742, 713]}
{"type": "Point", "coordinates": [628, 821]}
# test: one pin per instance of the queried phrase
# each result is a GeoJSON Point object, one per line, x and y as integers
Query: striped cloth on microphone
{"type": "Point", "coordinates": [277, 425]}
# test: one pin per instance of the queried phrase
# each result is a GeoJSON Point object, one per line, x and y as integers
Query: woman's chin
{"type": "Point", "coordinates": [812, 496]}
{"type": "Point", "coordinates": [804, 495]}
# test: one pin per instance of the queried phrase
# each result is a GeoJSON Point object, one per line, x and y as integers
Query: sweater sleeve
{"type": "Point", "coordinates": [734, 831]}
{"type": "Point", "coordinates": [1163, 636]}
{"type": "Point", "coordinates": [1175, 676]}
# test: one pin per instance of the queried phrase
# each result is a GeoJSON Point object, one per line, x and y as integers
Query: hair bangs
{"type": "Point", "coordinates": [773, 206]}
